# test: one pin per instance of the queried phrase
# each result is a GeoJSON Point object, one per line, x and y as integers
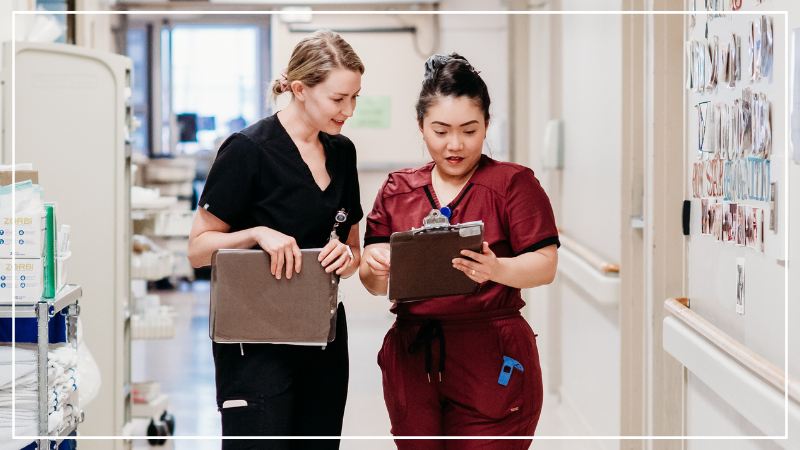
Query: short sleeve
{"type": "Point", "coordinates": [531, 224]}
{"type": "Point", "coordinates": [229, 188]}
{"type": "Point", "coordinates": [378, 223]}
{"type": "Point", "coordinates": [353, 195]}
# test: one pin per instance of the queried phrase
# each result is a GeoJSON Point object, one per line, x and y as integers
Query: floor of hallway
{"type": "Point", "coordinates": [184, 367]}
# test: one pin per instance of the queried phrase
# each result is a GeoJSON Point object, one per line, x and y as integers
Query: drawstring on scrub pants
{"type": "Point", "coordinates": [429, 331]}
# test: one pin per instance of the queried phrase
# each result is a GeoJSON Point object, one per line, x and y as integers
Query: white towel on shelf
{"type": "Point", "coordinates": [26, 425]}
{"type": "Point", "coordinates": [25, 363]}
{"type": "Point", "coordinates": [26, 422]}
{"type": "Point", "coordinates": [59, 360]}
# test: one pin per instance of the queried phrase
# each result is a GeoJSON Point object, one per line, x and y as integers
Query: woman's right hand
{"type": "Point", "coordinates": [282, 249]}
{"type": "Point", "coordinates": [377, 259]}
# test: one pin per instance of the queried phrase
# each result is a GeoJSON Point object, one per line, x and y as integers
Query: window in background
{"type": "Point", "coordinates": [215, 83]}
{"type": "Point", "coordinates": [137, 52]}
{"type": "Point", "coordinates": [60, 19]}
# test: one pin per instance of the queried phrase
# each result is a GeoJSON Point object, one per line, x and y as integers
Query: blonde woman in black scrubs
{"type": "Point", "coordinates": [278, 185]}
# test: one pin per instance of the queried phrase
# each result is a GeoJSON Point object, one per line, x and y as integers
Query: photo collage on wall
{"type": "Point", "coordinates": [734, 140]}
{"type": "Point", "coordinates": [729, 73]}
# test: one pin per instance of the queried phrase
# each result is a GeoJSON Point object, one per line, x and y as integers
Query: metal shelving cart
{"type": "Point", "coordinates": [65, 303]}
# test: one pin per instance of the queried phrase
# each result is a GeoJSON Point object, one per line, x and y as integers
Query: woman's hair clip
{"type": "Point", "coordinates": [436, 62]}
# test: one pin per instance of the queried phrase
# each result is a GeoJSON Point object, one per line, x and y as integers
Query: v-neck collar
{"type": "Point", "coordinates": [323, 139]}
{"type": "Point", "coordinates": [431, 192]}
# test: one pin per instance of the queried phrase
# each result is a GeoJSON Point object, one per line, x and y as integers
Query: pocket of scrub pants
{"type": "Point", "coordinates": [390, 361]}
{"type": "Point", "coordinates": [492, 399]}
{"type": "Point", "coordinates": [245, 420]}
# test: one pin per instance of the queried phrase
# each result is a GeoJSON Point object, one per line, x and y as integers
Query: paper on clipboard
{"type": "Point", "coordinates": [421, 262]}
{"type": "Point", "coordinates": [248, 304]}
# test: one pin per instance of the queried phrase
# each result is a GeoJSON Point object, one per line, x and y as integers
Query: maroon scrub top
{"type": "Point", "coordinates": [507, 197]}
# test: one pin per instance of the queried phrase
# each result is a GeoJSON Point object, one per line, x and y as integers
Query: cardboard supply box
{"type": "Point", "coordinates": [29, 234]}
{"type": "Point", "coordinates": [22, 175]}
{"type": "Point", "coordinates": [27, 280]}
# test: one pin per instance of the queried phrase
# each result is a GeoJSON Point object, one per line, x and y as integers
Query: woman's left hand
{"type": "Point", "coordinates": [485, 267]}
{"type": "Point", "coordinates": [334, 256]}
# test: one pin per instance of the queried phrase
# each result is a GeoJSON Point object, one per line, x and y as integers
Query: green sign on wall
{"type": "Point", "coordinates": [372, 111]}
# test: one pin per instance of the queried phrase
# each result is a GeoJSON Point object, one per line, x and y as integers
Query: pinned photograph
{"type": "Point", "coordinates": [740, 221]}
{"type": "Point", "coordinates": [726, 221]}
{"type": "Point", "coordinates": [733, 211]}
{"type": "Point", "coordinates": [740, 285]}
{"type": "Point", "coordinates": [749, 242]}
{"type": "Point", "coordinates": [711, 216]}
{"type": "Point", "coordinates": [717, 229]}
{"type": "Point", "coordinates": [704, 216]}
{"type": "Point", "coordinates": [758, 229]}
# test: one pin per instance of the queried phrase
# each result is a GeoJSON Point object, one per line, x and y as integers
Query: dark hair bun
{"type": "Point", "coordinates": [436, 62]}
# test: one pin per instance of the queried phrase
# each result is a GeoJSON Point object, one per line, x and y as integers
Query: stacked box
{"type": "Point", "coordinates": [28, 233]}
{"type": "Point", "coordinates": [27, 280]}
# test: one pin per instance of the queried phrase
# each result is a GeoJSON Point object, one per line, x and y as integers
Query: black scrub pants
{"type": "Point", "coordinates": [290, 390]}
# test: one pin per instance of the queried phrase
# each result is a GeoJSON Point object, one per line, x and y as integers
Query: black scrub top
{"type": "Point", "coordinates": [260, 179]}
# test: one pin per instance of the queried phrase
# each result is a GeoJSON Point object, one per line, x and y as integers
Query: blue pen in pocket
{"type": "Point", "coordinates": [508, 366]}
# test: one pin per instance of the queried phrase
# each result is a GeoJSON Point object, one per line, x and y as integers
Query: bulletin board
{"type": "Point", "coordinates": [735, 157]}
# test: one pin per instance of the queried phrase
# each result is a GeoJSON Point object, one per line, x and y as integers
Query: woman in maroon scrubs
{"type": "Point", "coordinates": [492, 385]}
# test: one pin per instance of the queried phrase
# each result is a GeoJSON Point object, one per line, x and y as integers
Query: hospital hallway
{"type": "Point", "coordinates": [663, 137]}
{"type": "Point", "coordinates": [184, 367]}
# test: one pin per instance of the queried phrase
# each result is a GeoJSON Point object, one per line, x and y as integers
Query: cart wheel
{"type": "Point", "coordinates": [169, 420]}
{"type": "Point", "coordinates": [156, 429]}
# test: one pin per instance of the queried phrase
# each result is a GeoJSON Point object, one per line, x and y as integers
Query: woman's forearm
{"type": "Point", "coordinates": [529, 270]}
{"type": "Point", "coordinates": [353, 267]}
{"type": "Point", "coordinates": [376, 284]}
{"type": "Point", "coordinates": [202, 246]}
{"type": "Point", "coordinates": [373, 284]}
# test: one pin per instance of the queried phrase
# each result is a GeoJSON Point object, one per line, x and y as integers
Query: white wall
{"type": "Point", "coordinates": [794, 225]}
{"type": "Point", "coordinates": [709, 415]}
{"type": "Point", "coordinates": [483, 40]}
{"type": "Point", "coordinates": [712, 265]}
{"type": "Point", "coordinates": [591, 57]}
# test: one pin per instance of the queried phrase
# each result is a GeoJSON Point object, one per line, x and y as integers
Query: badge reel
{"type": "Point", "coordinates": [340, 217]}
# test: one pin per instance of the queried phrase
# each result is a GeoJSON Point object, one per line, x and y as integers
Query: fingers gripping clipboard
{"type": "Point", "coordinates": [420, 261]}
{"type": "Point", "coordinates": [248, 304]}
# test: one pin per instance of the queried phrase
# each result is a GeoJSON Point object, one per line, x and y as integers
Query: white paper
{"type": "Point", "coordinates": [740, 285]}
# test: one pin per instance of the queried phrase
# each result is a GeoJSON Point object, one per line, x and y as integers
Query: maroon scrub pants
{"type": "Point", "coordinates": [443, 380]}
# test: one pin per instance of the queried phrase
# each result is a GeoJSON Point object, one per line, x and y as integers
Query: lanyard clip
{"type": "Point", "coordinates": [340, 217]}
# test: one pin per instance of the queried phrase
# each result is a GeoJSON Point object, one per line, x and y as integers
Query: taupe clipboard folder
{"type": "Point", "coordinates": [420, 262]}
{"type": "Point", "coordinates": [248, 304]}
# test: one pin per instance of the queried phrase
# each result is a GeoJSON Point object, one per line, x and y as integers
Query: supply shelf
{"type": "Point", "coordinates": [43, 311]}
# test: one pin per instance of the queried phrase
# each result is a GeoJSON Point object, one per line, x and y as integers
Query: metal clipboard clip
{"type": "Point", "coordinates": [435, 219]}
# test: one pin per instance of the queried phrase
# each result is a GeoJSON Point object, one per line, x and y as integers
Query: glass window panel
{"type": "Point", "coordinates": [215, 73]}
{"type": "Point", "coordinates": [137, 52]}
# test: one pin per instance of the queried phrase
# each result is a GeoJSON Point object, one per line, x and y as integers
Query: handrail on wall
{"type": "Point", "coordinates": [597, 277]}
{"type": "Point", "coordinates": [588, 255]}
{"type": "Point", "coordinates": [679, 307]}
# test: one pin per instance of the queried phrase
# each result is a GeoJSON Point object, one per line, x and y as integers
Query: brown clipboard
{"type": "Point", "coordinates": [420, 262]}
{"type": "Point", "coordinates": [248, 304]}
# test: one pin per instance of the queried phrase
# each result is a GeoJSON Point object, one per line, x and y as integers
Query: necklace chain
{"type": "Point", "coordinates": [433, 182]}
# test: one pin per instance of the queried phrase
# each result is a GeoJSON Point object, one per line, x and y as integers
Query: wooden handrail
{"type": "Point", "coordinates": [745, 356]}
{"type": "Point", "coordinates": [588, 255]}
